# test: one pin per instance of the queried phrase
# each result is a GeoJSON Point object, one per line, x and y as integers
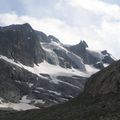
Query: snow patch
{"type": "Point", "coordinates": [39, 101]}
{"type": "Point", "coordinates": [18, 106]}
{"type": "Point", "coordinates": [105, 65]}
{"type": "Point", "coordinates": [25, 100]}
{"type": "Point", "coordinates": [1, 100]}
{"type": "Point", "coordinates": [50, 91]}
{"type": "Point", "coordinates": [30, 84]}
{"type": "Point", "coordinates": [56, 93]}
{"type": "Point", "coordinates": [90, 69]}
{"type": "Point", "coordinates": [28, 38]}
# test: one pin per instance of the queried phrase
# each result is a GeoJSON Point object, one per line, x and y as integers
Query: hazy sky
{"type": "Point", "coordinates": [95, 21]}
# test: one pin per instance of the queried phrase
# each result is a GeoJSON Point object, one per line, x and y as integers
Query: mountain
{"type": "Point", "coordinates": [100, 100]}
{"type": "Point", "coordinates": [104, 82]}
{"type": "Point", "coordinates": [19, 42]}
{"type": "Point", "coordinates": [38, 71]}
{"type": "Point", "coordinates": [96, 58]}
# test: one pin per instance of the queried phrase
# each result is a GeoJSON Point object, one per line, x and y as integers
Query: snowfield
{"type": "Point", "coordinates": [17, 106]}
{"type": "Point", "coordinates": [44, 68]}
{"type": "Point", "coordinates": [53, 70]}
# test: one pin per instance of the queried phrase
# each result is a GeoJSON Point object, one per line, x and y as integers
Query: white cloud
{"type": "Point", "coordinates": [56, 27]}
{"type": "Point", "coordinates": [110, 36]}
{"type": "Point", "coordinates": [98, 7]}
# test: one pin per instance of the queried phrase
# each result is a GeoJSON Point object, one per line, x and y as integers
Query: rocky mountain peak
{"type": "Point", "coordinates": [27, 24]}
{"type": "Point", "coordinates": [105, 52]}
{"type": "Point", "coordinates": [21, 43]}
{"type": "Point", "coordinates": [16, 27]}
{"type": "Point", "coordinates": [83, 44]}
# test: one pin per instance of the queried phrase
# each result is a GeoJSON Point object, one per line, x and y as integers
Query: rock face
{"type": "Point", "coordinates": [52, 38]}
{"type": "Point", "coordinates": [42, 37]}
{"type": "Point", "coordinates": [20, 42]}
{"type": "Point", "coordinates": [80, 50]}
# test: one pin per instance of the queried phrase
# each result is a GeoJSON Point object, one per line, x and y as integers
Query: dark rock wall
{"type": "Point", "coordinates": [20, 42]}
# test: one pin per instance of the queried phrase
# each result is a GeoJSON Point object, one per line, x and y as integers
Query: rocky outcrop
{"type": "Point", "coordinates": [80, 50]}
{"type": "Point", "coordinates": [98, 65]}
{"type": "Point", "coordinates": [69, 60]}
{"type": "Point", "coordinates": [42, 37]}
{"type": "Point", "coordinates": [91, 57]}
{"type": "Point", "coordinates": [46, 39]}
{"type": "Point", "coordinates": [20, 42]}
{"type": "Point", "coordinates": [105, 82]}
{"type": "Point", "coordinates": [54, 39]}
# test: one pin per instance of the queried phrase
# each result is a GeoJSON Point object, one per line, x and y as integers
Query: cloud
{"type": "Point", "coordinates": [95, 21]}
{"type": "Point", "coordinates": [48, 25]}
{"type": "Point", "coordinates": [104, 34]}
{"type": "Point", "coordinates": [98, 7]}
{"type": "Point", "coordinates": [109, 35]}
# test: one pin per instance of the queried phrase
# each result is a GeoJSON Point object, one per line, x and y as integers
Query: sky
{"type": "Point", "coordinates": [95, 21]}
